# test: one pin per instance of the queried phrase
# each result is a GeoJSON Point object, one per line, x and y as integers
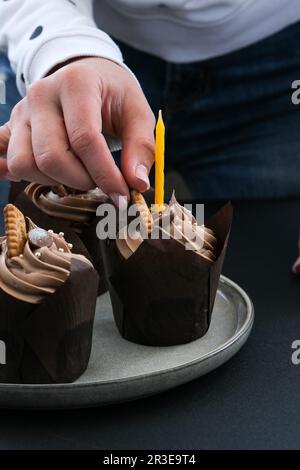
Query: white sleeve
{"type": "Point", "coordinates": [40, 34]}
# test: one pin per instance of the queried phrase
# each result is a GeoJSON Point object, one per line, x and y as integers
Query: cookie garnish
{"type": "Point", "coordinates": [146, 217]}
{"type": "Point", "coordinates": [15, 230]}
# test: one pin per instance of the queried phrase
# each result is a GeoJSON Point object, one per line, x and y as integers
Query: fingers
{"type": "Point", "coordinates": [50, 145]}
{"type": "Point", "coordinates": [84, 125]}
{"type": "Point", "coordinates": [20, 159]}
{"type": "Point", "coordinates": [58, 138]}
{"type": "Point", "coordinates": [137, 132]}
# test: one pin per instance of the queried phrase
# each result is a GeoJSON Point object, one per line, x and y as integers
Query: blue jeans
{"type": "Point", "coordinates": [232, 130]}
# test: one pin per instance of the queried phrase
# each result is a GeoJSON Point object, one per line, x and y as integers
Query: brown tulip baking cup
{"type": "Point", "coordinates": [89, 237]}
{"type": "Point", "coordinates": [50, 342]}
{"type": "Point", "coordinates": [163, 294]}
{"type": "Point", "coordinates": [86, 232]}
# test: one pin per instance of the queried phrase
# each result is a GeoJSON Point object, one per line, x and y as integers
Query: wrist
{"type": "Point", "coordinates": [56, 52]}
{"type": "Point", "coordinates": [65, 63]}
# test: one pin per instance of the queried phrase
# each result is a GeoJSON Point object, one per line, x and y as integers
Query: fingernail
{"type": "Point", "coordinates": [141, 172]}
{"type": "Point", "coordinates": [119, 201]}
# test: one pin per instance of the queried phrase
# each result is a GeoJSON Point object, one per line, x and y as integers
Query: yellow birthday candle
{"type": "Point", "coordinates": [160, 164]}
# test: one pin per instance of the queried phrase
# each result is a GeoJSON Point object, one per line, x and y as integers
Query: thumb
{"type": "Point", "coordinates": [138, 151]}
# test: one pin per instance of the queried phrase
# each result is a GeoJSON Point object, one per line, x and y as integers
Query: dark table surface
{"type": "Point", "coordinates": [253, 401]}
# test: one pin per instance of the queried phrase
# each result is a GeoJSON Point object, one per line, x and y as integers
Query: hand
{"type": "Point", "coordinates": [55, 133]}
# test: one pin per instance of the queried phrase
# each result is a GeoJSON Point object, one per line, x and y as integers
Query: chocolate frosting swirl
{"type": "Point", "coordinates": [76, 206]}
{"type": "Point", "coordinates": [38, 272]}
{"type": "Point", "coordinates": [174, 222]}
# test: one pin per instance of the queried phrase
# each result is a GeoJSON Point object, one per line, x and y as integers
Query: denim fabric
{"type": "Point", "coordinates": [232, 130]}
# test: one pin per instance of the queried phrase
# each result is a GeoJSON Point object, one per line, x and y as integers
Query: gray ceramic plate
{"type": "Point", "coordinates": [120, 370]}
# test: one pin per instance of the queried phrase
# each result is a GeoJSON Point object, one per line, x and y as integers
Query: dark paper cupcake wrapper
{"type": "Point", "coordinates": [50, 342]}
{"type": "Point", "coordinates": [87, 233]}
{"type": "Point", "coordinates": [89, 238]}
{"type": "Point", "coordinates": [163, 294]}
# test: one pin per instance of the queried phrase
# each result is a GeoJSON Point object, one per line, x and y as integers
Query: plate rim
{"type": "Point", "coordinates": [244, 329]}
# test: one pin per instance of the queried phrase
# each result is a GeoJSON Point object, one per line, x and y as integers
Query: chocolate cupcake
{"type": "Point", "coordinates": [47, 297]}
{"type": "Point", "coordinates": [163, 287]}
{"type": "Point", "coordinates": [76, 208]}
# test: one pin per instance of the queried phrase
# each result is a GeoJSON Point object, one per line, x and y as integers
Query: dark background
{"type": "Point", "coordinates": [252, 402]}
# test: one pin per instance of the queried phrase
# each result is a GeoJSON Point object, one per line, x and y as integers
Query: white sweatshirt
{"type": "Point", "coordinates": [39, 34]}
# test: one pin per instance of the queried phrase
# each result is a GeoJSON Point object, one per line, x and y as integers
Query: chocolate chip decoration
{"type": "Point", "coordinates": [39, 237]}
